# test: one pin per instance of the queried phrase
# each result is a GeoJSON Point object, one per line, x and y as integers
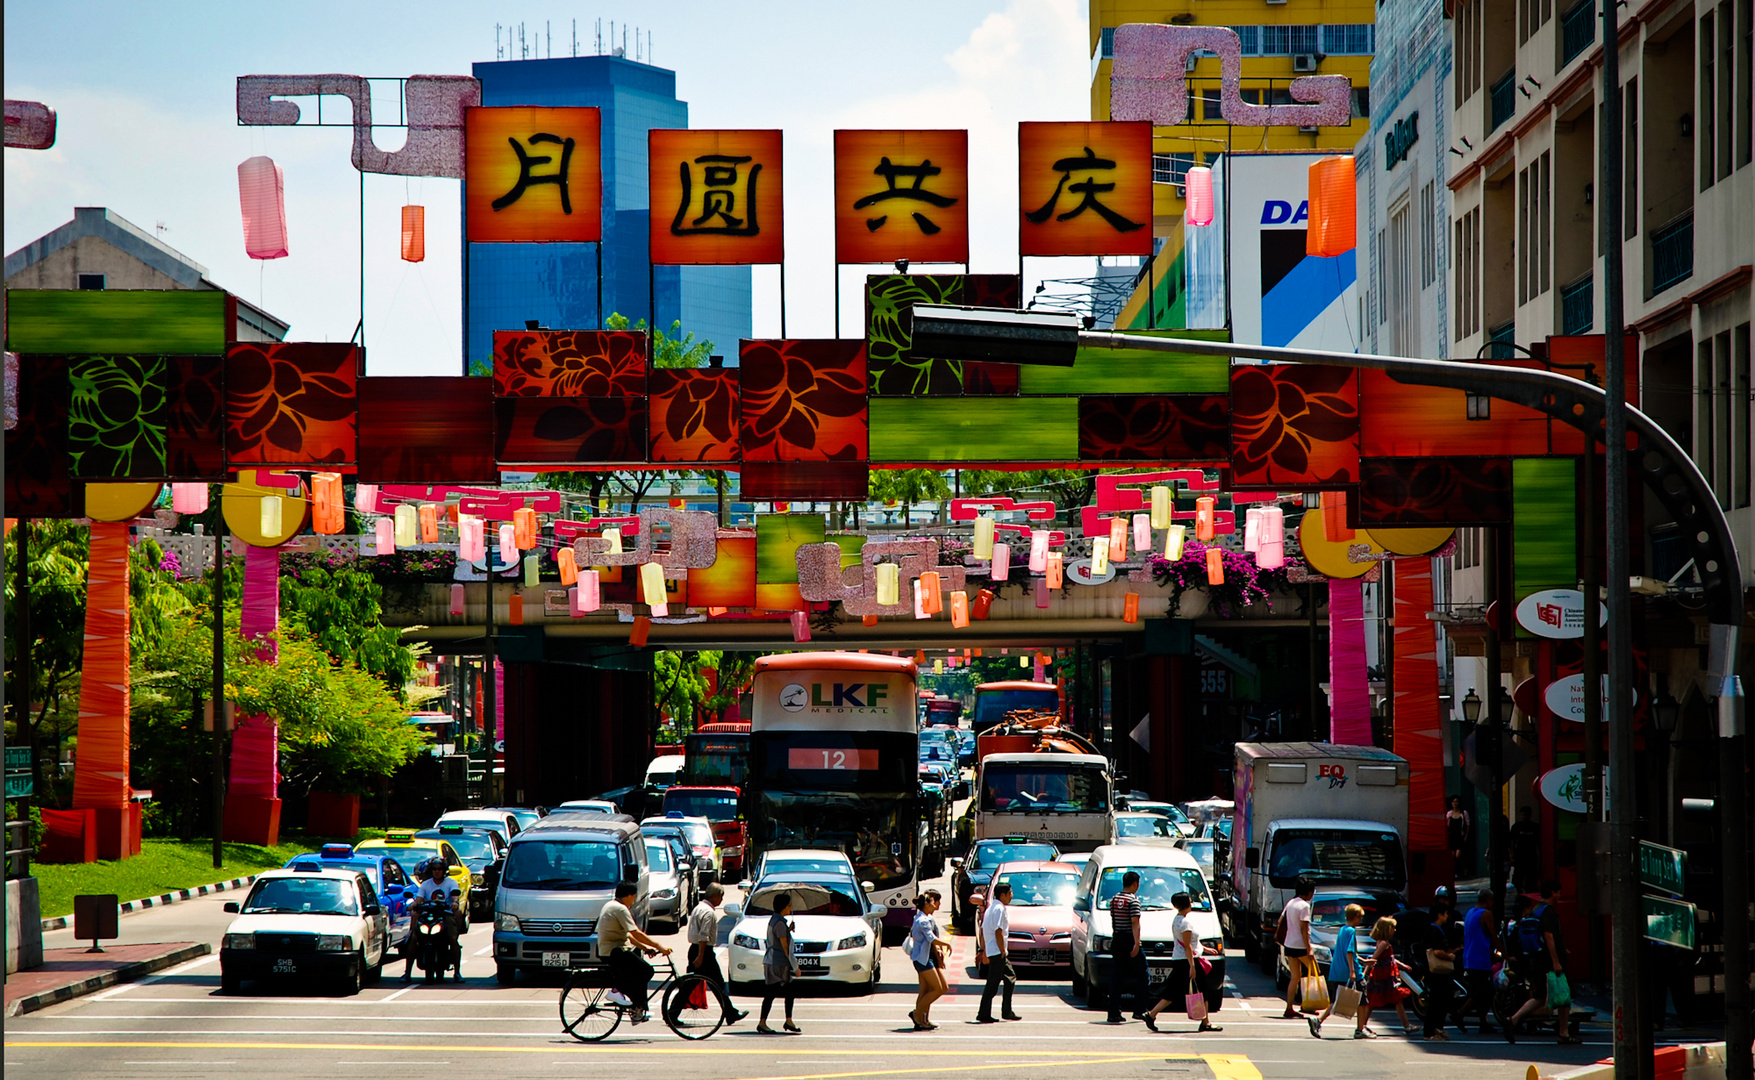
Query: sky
{"type": "Point", "coordinates": [145, 95]}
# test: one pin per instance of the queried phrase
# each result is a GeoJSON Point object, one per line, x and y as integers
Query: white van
{"type": "Point", "coordinates": [665, 770]}
{"type": "Point", "coordinates": [1164, 872]}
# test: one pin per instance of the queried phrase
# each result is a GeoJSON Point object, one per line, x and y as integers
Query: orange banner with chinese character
{"type": "Point", "coordinates": [902, 195]}
{"type": "Point", "coordinates": [1085, 188]}
{"type": "Point", "coordinates": [715, 197]}
{"type": "Point", "coordinates": [533, 175]}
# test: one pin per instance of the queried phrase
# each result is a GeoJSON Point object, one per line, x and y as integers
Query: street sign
{"type": "Point", "coordinates": [19, 783]}
{"type": "Point", "coordinates": [1662, 869]}
{"type": "Point", "coordinates": [1668, 922]}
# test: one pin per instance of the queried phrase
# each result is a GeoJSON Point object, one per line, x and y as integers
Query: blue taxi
{"type": "Point", "coordinates": [395, 890]}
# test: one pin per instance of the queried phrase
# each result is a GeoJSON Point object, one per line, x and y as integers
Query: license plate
{"type": "Point", "coordinates": [1043, 956]}
{"type": "Point", "coordinates": [1160, 973]}
{"type": "Point", "coordinates": [285, 967]}
{"type": "Point", "coordinates": [556, 959]}
{"type": "Point", "coordinates": [810, 963]}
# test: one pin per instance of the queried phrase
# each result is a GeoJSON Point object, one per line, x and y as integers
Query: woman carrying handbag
{"type": "Point", "coordinates": [1188, 964]}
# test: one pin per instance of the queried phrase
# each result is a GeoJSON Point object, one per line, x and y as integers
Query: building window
{"type": "Point", "coordinates": [1428, 234]}
{"type": "Point", "coordinates": [1578, 30]}
{"type": "Point", "coordinates": [1630, 169]}
{"type": "Point", "coordinates": [1250, 38]}
{"type": "Point", "coordinates": [1727, 70]}
{"type": "Point", "coordinates": [1288, 40]}
{"type": "Point", "coordinates": [1704, 130]}
{"type": "Point", "coordinates": [1349, 39]}
{"type": "Point", "coordinates": [1106, 43]}
{"type": "Point", "coordinates": [1532, 15]}
{"type": "Point", "coordinates": [1361, 103]}
{"type": "Point", "coordinates": [1398, 288]}
{"type": "Point", "coordinates": [1703, 415]}
{"type": "Point", "coordinates": [1209, 105]}
{"type": "Point", "coordinates": [1467, 27]}
{"type": "Point", "coordinates": [1746, 44]}
{"type": "Point", "coordinates": [1742, 413]}
{"type": "Point", "coordinates": [91, 282]}
{"type": "Point", "coordinates": [1465, 265]}
{"type": "Point", "coordinates": [1382, 278]}
{"type": "Point", "coordinates": [1171, 168]}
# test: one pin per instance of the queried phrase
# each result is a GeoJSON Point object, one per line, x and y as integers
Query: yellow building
{"type": "Point", "coordinates": [1281, 41]}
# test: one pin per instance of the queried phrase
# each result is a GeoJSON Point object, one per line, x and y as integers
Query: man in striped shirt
{"type": "Point", "coordinates": [1127, 967]}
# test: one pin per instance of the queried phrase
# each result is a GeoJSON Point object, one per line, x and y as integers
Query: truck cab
{"type": "Point", "coordinates": [723, 808]}
{"type": "Point", "coordinates": [1327, 851]}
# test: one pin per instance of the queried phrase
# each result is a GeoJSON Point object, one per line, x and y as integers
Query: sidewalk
{"type": "Point", "coordinates": [69, 973]}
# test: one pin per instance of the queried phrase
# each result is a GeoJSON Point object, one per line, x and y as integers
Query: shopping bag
{"type": "Point", "coordinates": [698, 996]}
{"type": "Point", "coordinates": [1559, 991]}
{"type": "Point", "coordinates": [1196, 1004]}
{"type": "Point", "coordinates": [1347, 1001]}
{"type": "Point", "coordinates": [1314, 993]}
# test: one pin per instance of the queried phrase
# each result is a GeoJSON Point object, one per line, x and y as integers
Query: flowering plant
{"type": "Point", "coordinates": [1245, 582]}
{"type": "Point", "coordinates": [169, 563]}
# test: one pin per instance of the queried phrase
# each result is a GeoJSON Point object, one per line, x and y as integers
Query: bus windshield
{"type": "Point", "coordinates": [712, 805]}
{"type": "Point", "coordinates": [1029, 787]}
{"type": "Point", "coordinates": [873, 832]}
{"type": "Point", "coordinates": [716, 759]}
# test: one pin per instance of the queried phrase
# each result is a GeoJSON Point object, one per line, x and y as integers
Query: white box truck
{"type": "Point", "coordinates": [1337, 815]}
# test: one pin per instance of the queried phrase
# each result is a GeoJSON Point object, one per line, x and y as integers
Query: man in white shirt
{"type": "Point", "coordinates": [1296, 942]}
{"type": "Point", "coordinates": [703, 940]}
{"type": "Point", "coordinates": [437, 888]}
{"type": "Point", "coordinates": [995, 927]}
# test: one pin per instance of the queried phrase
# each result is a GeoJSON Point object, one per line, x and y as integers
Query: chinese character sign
{"type": "Point", "coordinates": [1085, 188]}
{"type": "Point", "coordinates": [901, 195]}
{"type": "Point", "coordinates": [715, 197]}
{"type": "Point", "coordinates": [533, 175]}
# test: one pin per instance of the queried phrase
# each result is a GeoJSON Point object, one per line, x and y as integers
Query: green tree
{"type": "Point", "coordinates": [341, 607]}
{"type": "Point", "coordinates": [55, 568]}
{"type": "Point", "coordinates": [909, 486]}
{"type": "Point", "coordinates": [1070, 489]}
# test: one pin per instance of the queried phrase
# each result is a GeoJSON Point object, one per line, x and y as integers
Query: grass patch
{"type": "Point", "coordinates": [164, 866]}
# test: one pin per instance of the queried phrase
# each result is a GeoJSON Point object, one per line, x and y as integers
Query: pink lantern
{"type": "Point", "coordinates": [456, 599]}
{"type": "Point", "coordinates": [1042, 592]}
{"type": "Point", "coordinates": [1002, 562]}
{"type": "Point", "coordinates": [1142, 532]}
{"type": "Point", "coordinates": [262, 193]}
{"type": "Point", "coordinates": [1273, 525]}
{"type": "Point", "coordinates": [386, 534]}
{"type": "Point", "coordinates": [590, 594]}
{"type": "Point", "coordinates": [365, 498]}
{"type": "Point", "coordinates": [920, 611]}
{"type": "Point", "coordinates": [1199, 204]}
{"type": "Point", "coordinates": [508, 543]}
{"type": "Point", "coordinates": [800, 626]}
{"type": "Point", "coordinates": [573, 608]}
{"type": "Point", "coordinates": [189, 498]}
{"type": "Point", "coordinates": [1252, 529]}
{"type": "Point", "coordinates": [1038, 550]}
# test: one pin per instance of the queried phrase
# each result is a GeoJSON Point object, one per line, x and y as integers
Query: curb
{"type": "Point", "coordinates": [62, 922]}
{"type": "Point", "coordinates": [126, 973]}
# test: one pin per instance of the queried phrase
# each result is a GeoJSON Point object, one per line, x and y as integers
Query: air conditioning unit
{"type": "Point", "coordinates": [1276, 1]}
{"type": "Point", "coordinates": [1305, 62]}
{"type": "Point", "coordinates": [1188, 67]}
{"type": "Point", "coordinates": [1311, 130]}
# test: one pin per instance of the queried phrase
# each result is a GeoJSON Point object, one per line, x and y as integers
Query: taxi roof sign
{"type": "Point", "coordinates": [336, 851]}
{"type": "Point", "coordinates": [399, 836]}
{"type": "Point", "coordinates": [451, 830]}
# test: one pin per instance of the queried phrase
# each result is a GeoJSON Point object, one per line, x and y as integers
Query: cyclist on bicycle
{"type": "Point", "coordinates": [627, 968]}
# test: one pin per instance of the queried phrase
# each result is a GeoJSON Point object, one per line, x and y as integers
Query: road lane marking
{"type": "Point", "coordinates": [484, 950]}
{"type": "Point", "coordinates": [183, 1063]}
{"type": "Point", "coordinates": [150, 979]}
{"type": "Point", "coordinates": [396, 995]}
{"type": "Point", "coordinates": [1231, 1067]}
{"type": "Point", "coordinates": [1036, 1056]}
{"type": "Point", "coordinates": [1106, 1059]}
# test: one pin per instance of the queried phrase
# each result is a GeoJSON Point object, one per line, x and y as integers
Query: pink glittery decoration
{"type": "Point", "coordinates": [1149, 81]}
{"type": "Point", "coordinates": [434, 107]}
{"type": "Point", "coordinates": [693, 543]}
{"type": "Point", "coordinates": [30, 125]}
{"type": "Point", "coordinates": [11, 390]}
{"type": "Point", "coordinates": [821, 580]}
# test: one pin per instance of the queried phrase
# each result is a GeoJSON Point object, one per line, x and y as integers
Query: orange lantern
{"type": "Point", "coordinates": [868, 620]}
{"type": "Point", "coordinates": [1118, 538]}
{"type": "Point", "coordinates": [524, 528]}
{"type": "Point", "coordinates": [642, 629]}
{"type": "Point", "coordinates": [1130, 608]}
{"type": "Point", "coordinates": [515, 609]}
{"type": "Point", "coordinates": [429, 523]}
{"type": "Point", "coordinates": [414, 233]}
{"type": "Point", "coordinates": [1056, 569]}
{"type": "Point", "coordinates": [931, 600]}
{"type": "Point", "coordinates": [1333, 208]}
{"type": "Point", "coordinates": [328, 512]}
{"type": "Point", "coordinates": [1203, 517]}
{"type": "Point", "coordinates": [982, 606]}
{"type": "Point", "coordinates": [1215, 566]}
{"type": "Point", "coordinates": [959, 609]}
{"type": "Point", "coordinates": [569, 565]}
{"type": "Point", "coordinates": [919, 656]}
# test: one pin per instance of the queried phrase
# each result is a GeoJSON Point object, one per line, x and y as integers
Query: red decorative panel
{"type": "Point", "coordinates": [803, 400]}
{"type": "Point", "coordinates": [988, 379]}
{"type": "Point", "coordinates": [1398, 420]}
{"type": "Point", "coordinates": [290, 403]}
{"type": "Point", "coordinates": [569, 363]}
{"type": "Point", "coordinates": [1419, 729]}
{"type": "Point", "coordinates": [731, 580]}
{"type": "Point", "coordinates": [38, 478]}
{"type": "Point", "coordinates": [564, 430]}
{"type": "Point", "coordinates": [804, 480]}
{"type": "Point", "coordinates": [195, 418]}
{"type": "Point", "coordinates": [992, 290]}
{"type": "Point", "coordinates": [1155, 427]}
{"type": "Point", "coordinates": [1434, 491]}
{"type": "Point", "coordinates": [694, 415]}
{"type": "Point", "coordinates": [1294, 427]}
{"type": "Point", "coordinates": [415, 430]}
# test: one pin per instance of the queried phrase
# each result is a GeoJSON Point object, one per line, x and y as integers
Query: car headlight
{"type": "Point", "coordinates": [508, 923]}
{"type": "Point", "coordinates": [664, 894]}
{"type": "Point", "coordinates": [745, 941]}
{"type": "Point", "coordinates": [857, 941]}
{"type": "Point", "coordinates": [1100, 943]}
{"type": "Point", "coordinates": [334, 943]}
{"type": "Point", "coordinates": [1323, 954]}
{"type": "Point", "coordinates": [1216, 943]}
{"type": "Point", "coordinates": [240, 941]}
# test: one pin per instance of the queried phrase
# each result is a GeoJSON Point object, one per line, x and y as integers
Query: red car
{"type": "Point", "coordinates": [1041, 914]}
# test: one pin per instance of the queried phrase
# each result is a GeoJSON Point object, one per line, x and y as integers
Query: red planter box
{"type": "Point", "coordinates": [251, 819]}
{"type": "Point", "coordinates": [333, 815]}
{"type": "Point", "coordinates": [69, 836]}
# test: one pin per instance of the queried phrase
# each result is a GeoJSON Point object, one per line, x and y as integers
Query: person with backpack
{"type": "Point", "coordinates": [1543, 946]}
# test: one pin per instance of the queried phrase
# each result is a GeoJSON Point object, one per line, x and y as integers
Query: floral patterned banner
{"type": "Point", "coordinates": [291, 403]}
{"type": "Point", "coordinates": [569, 363]}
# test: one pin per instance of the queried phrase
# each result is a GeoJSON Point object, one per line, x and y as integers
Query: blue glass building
{"type": "Point", "coordinates": [557, 283]}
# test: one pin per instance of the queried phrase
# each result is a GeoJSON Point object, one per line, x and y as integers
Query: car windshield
{"type": "Point", "coordinates": [1041, 888]}
{"type": "Point", "coordinates": [805, 866]}
{"type": "Point", "coordinates": [806, 900]}
{"type": "Point", "coordinates": [470, 847]}
{"type": "Point", "coordinates": [658, 856]}
{"type": "Point", "coordinates": [1147, 825]}
{"type": "Point", "coordinates": [303, 896]}
{"type": "Point", "coordinates": [699, 835]}
{"type": "Point", "coordinates": [1331, 911]}
{"type": "Point", "coordinates": [1354, 858]}
{"type": "Point", "coordinates": [409, 858]}
{"type": "Point", "coordinates": [1202, 850]}
{"type": "Point", "coordinates": [525, 818]}
{"type": "Point", "coordinates": [1157, 885]}
{"type": "Point", "coordinates": [990, 855]}
{"type": "Point", "coordinates": [710, 805]}
{"type": "Point", "coordinates": [561, 865]}
{"type": "Point", "coordinates": [1033, 788]}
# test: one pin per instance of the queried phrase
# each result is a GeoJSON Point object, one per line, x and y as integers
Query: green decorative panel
{"type": "Point", "coordinates": [927, 430]}
{"type": "Point", "coordinates": [116, 423]}
{"type": "Point", "coordinates": [1544, 513]}
{"type": "Point", "coordinates": [146, 321]}
{"type": "Point", "coordinates": [1135, 371]}
{"type": "Point", "coordinates": [891, 370]}
{"type": "Point", "coordinates": [777, 539]}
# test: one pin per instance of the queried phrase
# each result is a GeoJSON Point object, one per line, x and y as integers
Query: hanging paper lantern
{"type": "Point", "coordinates": [1271, 556]}
{"type": "Point", "coordinates": [328, 513]}
{"type": "Point", "coordinates": [1099, 556]}
{"type": "Point", "coordinates": [920, 611]}
{"type": "Point", "coordinates": [613, 536]}
{"type": "Point", "coordinates": [1056, 567]}
{"type": "Point", "coordinates": [271, 517]}
{"type": "Point", "coordinates": [590, 596]}
{"type": "Point", "coordinates": [429, 523]}
{"type": "Point", "coordinates": [385, 530]}
{"type": "Point", "coordinates": [407, 526]}
{"type": "Point", "coordinates": [641, 631]}
{"type": "Point", "coordinates": [456, 599]}
{"type": "Point", "coordinates": [515, 609]}
{"type": "Point", "coordinates": [1002, 562]}
{"type": "Point", "coordinates": [532, 571]}
{"type": "Point", "coordinates": [414, 233]}
{"type": "Point", "coordinates": [919, 656]}
{"type": "Point", "coordinates": [1333, 208]}
{"type": "Point", "coordinates": [800, 626]}
{"type": "Point", "coordinates": [365, 498]}
{"type": "Point", "coordinates": [932, 601]}
{"type": "Point", "coordinates": [889, 584]}
{"type": "Point", "coordinates": [1162, 508]}
{"type": "Point", "coordinates": [1023, 661]}
{"type": "Point", "coordinates": [868, 620]}
{"type": "Point", "coordinates": [1198, 184]}
{"type": "Point", "coordinates": [982, 606]}
{"type": "Point", "coordinates": [262, 194]}
{"type": "Point", "coordinates": [1142, 533]}
{"type": "Point", "coordinates": [508, 544]}
{"type": "Point", "coordinates": [976, 652]}
{"type": "Point", "coordinates": [568, 564]}
{"type": "Point", "coordinates": [716, 611]}
{"type": "Point", "coordinates": [471, 539]}
{"type": "Point", "coordinates": [1130, 608]}
{"type": "Point", "coordinates": [652, 583]}
{"type": "Point", "coordinates": [983, 537]}
{"type": "Point", "coordinates": [1215, 566]}
{"type": "Point", "coordinates": [1203, 517]}
{"type": "Point", "coordinates": [959, 608]}
{"type": "Point", "coordinates": [1273, 525]}
{"type": "Point", "coordinates": [524, 528]}
{"type": "Point", "coordinates": [678, 504]}
{"type": "Point", "coordinates": [189, 498]}
{"type": "Point", "coordinates": [1252, 529]}
{"type": "Point", "coordinates": [573, 608]}
{"type": "Point", "coordinates": [1042, 592]}
{"type": "Point", "coordinates": [1038, 550]}
{"type": "Point", "coordinates": [1173, 538]}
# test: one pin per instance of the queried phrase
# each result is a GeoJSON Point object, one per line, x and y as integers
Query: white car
{"type": "Point", "coordinates": [327, 923]}
{"type": "Point", "coordinates": [709, 856]}
{"type": "Point", "coordinates": [802, 861]}
{"type": "Point", "coordinates": [837, 933]}
{"type": "Point", "coordinates": [587, 806]}
{"type": "Point", "coordinates": [1164, 872]}
{"type": "Point", "coordinates": [1145, 828]}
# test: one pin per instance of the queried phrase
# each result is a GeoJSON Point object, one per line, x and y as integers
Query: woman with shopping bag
{"type": "Point", "coordinates": [1189, 967]}
{"type": "Point", "coordinates": [1345, 973]}
{"type": "Point", "coordinates": [1383, 981]}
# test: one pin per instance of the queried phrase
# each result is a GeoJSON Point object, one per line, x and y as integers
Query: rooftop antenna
{"type": "Point", "coordinates": [648, 46]}
{"type": "Point", "coordinates": [575, 37]}
{"type": "Point", "coordinates": [548, 33]}
{"type": "Point", "coordinates": [597, 46]}
{"type": "Point", "coordinates": [160, 227]}
{"type": "Point", "coordinates": [624, 51]}
{"type": "Point", "coordinates": [499, 53]}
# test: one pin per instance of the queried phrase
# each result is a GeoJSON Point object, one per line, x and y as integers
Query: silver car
{"type": "Point", "coordinates": [672, 895]}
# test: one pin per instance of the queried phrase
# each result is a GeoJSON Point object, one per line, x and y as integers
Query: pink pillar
{"type": "Point", "coordinates": [253, 791]}
{"type": "Point", "coordinates": [1349, 690]}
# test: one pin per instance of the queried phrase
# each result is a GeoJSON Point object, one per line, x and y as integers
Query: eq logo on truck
{"type": "Point", "coordinates": [835, 697]}
{"type": "Point", "coordinates": [1336, 774]}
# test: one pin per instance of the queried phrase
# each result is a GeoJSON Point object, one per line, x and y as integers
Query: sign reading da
{"type": "Point", "coordinates": [902, 195]}
{"type": "Point", "coordinates": [715, 197]}
{"type": "Point", "coordinates": [1085, 188]}
{"type": "Point", "coordinates": [533, 175]}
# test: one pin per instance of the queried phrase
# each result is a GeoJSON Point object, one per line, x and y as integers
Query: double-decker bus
{"type": "Point", "coordinates": [717, 753]}
{"type": "Point", "coordinates": [834, 759]}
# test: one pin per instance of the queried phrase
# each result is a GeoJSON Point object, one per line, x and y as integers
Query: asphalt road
{"type": "Point", "coordinates": [176, 1024]}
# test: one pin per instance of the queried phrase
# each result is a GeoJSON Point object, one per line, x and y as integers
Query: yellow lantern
{"type": "Point", "coordinates": [1173, 537]}
{"type": "Point", "coordinates": [613, 536]}
{"type": "Point", "coordinates": [652, 583]}
{"type": "Point", "coordinates": [271, 515]}
{"type": "Point", "coordinates": [889, 584]}
{"type": "Point", "coordinates": [984, 537]}
{"type": "Point", "coordinates": [1162, 508]}
{"type": "Point", "coordinates": [407, 526]}
{"type": "Point", "coordinates": [532, 571]}
{"type": "Point", "coordinates": [1099, 556]}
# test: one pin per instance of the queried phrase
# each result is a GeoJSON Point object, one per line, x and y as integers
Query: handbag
{"type": "Point", "coordinates": [1313, 991]}
{"type": "Point", "coordinates": [1438, 965]}
{"type": "Point", "coordinates": [1347, 1001]}
{"type": "Point", "coordinates": [1196, 1005]}
{"type": "Point", "coordinates": [1559, 991]}
{"type": "Point", "coordinates": [698, 996]}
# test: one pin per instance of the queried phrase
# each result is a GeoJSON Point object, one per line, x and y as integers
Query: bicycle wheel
{"type": "Point", "coordinates": [587, 1014]}
{"type": "Point", "coordinates": [691, 1008]}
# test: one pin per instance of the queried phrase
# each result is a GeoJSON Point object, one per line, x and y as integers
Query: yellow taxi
{"type": "Point", "coordinates": [410, 851]}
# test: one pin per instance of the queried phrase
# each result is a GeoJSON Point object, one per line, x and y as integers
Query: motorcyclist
{"type": "Point", "coordinates": [438, 890]}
